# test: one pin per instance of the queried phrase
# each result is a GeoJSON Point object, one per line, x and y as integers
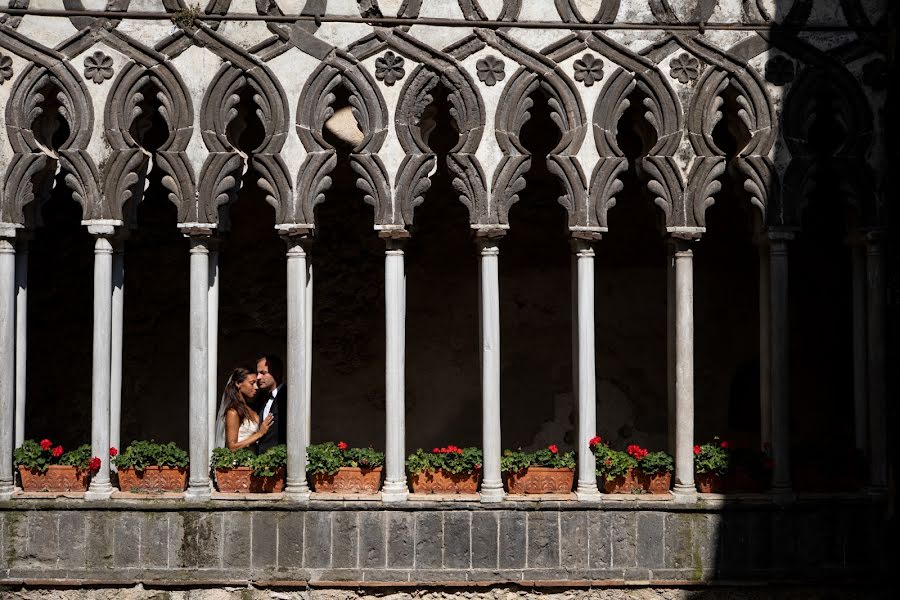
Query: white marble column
{"type": "Point", "coordinates": [875, 295]}
{"type": "Point", "coordinates": [100, 487]}
{"type": "Point", "coordinates": [307, 334]}
{"type": "Point", "coordinates": [21, 338]}
{"type": "Point", "coordinates": [492, 482]}
{"type": "Point", "coordinates": [116, 344]}
{"type": "Point", "coordinates": [212, 299]}
{"type": "Point", "coordinates": [298, 431]}
{"type": "Point", "coordinates": [198, 377]}
{"type": "Point", "coordinates": [860, 399]}
{"type": "Point", "coordinates": [780, 357]}
{"type": "Point", "coordinates": [670, 343]}
{"type": "Point", "coordinates": [587, 381]}
{"type": "Point", "coordinates": [395, 488]}
{"type": "Point", "coordinates": [684, 489]}
{"type": "Point", "coordinates": [7, 358]}
{"type": "Point", "coordinates": [765, 345]}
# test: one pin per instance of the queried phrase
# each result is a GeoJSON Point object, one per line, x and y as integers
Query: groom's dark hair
{"type": "Point", "coordinates": [276, 367]}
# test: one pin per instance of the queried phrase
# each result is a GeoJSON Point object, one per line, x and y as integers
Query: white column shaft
{"type": "Point", "coordinates": [100, 487]}
{"type": "Point", "coordinates": [199, 484]}
{"type": "Point", "coordinates": [860, 401]}
{"type": "Point", "coordinates": [116, 345]}
{"type": "Point", "coordinates": [298, 399]}
{"type": "Point", "coordinates": [875, 294]}
{"type": "Point", "coordinates": [395, 488]}
{"type": "Point", "coordinates": [781, 413]}
{"type": "Point", "coordinates": [21, 339]}
{"type": "Point", "coordinates": [684, 371]}
{"type": "Point", "coordinates": [492, 483]}
{"type": "Point", "coordinates": [765, 345]}
{"type": "Point", "coordinates": [587, 381]}
{"type": "Point", "coordinates": [213, 343]}
{"type": "Point", "coordinates": [670, 344]}
{"type": "Point", "coordinates": [307, 334]}
{"type": "Point", "coordinates": [7, 362]}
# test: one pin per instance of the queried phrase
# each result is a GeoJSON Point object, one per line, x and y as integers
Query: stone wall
{"type": "Point", "coordinates": [237, 543]}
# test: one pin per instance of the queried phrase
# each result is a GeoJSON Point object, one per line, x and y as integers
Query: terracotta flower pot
{"type": "Point", "coordinates": [654, 483]}
{"type": "Point", "coordinates": [441, 482]}
{"type": "Point", "coordinates": [57, 478]}
{"type": "Point", "coordinates": [348, 480]}
{"type": "Point", "coordinates": [540, 480]}
{"type": "Point", "coordinates": [153, 479]}
{"type": "Point", "coordinates": [268, 485]}
{"type": "Point", "coordinates": [623, 484]}
{"type": "Point", "coordinates": [709, 483]}
{"type": "Point", "coordinates": [234, 480]}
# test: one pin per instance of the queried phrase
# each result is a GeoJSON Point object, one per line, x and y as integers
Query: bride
{"type": "Point", "coordinates": [238, 425]}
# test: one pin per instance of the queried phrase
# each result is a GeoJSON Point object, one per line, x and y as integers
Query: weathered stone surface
{"type": "Point", "coordinates": [485, 530]}
{"type": "Point", "coordinates": [457, 540]}
{"type": "Point", "coordinates": [512, 539]}
{"type": "Point", "coordinates": [573, 541]}
{"type": "Point", "coordinates": [345, 542]}
{"type": "Point", "coordinates": [623, 539]}
{"type": "Point", "coordinates": [400, 540]}
{"type": "Point", "coordinates": [316, 540]}
{"type": "Point", "coordinates": [126, 541]}
{"type": "Point", "coordinates": [429, 540]}
{"type": "Point", "coordinates": [264, 547]}
{"type": "Point", "coordinates": [599, 529]}
{"type": "Point", "coordinates": [543, 540]}
{"type": "Point", "coordinates": [372, 539]}
{"type": "Point", "coordinates": [650, 535]}
{"type": "Point", "coordinates": [155, 542]}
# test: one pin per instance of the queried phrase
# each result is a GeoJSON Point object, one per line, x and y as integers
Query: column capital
{"type": "Point", "coordinates": [779, 236]}
{"type": "Point", "coordinates": [873, 240]}
{"type": "Point", "coordinates": [582, 248]}
{"type": "Point", "coordinates": [394, 246]}
{"type": "Point", "coordinates": [297, 243]}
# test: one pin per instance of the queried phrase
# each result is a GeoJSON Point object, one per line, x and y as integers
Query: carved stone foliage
{"type": "Point", "coordinates": [149, 117]}
{"type": "Point", "coordinates": [657, 167]}
{"type": "Point", "coordinates": [316, 106]}
{"type": "Point", "coordinates": [48, 123]}
{"type": "Point", "coordinates": [741, 93]}
{"type": "Point", "coordinates": [244, 124]}
{"type": "Point", "coordinates": [567, 113]}
{"type": "Point", "coordinates": [6, 69]}
{"type": "Point", "coordinates": [413, 133]}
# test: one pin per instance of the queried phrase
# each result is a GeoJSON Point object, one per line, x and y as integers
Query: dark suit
{"type": "Point", "coordinates": [277, 433]}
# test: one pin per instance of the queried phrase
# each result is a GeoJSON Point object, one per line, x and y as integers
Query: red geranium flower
{"type": "Point", "coordinates": [436, 451]}
{"type": "Point", "coordinates": [607, 462]}
{"type": "Point", "coordinates": [552, 448]}
{"type": "Point", "coordinates": [697, 450]}
{"type": "Point", "coordinates": [57, 452]}
{"type": "Point", "coordinates": [94, 464]}
{"type": "Point", "coordinates": [45, 444]}
{"type": "Point", "coordinates": [113, 452]}
{"type": "Point", "coordinates": [342, 445]}
{"type": "Point", "coordinates": [724, 444]}
{"type": "Point", "coordinates": [595, 441]}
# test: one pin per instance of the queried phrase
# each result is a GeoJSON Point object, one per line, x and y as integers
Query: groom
{"type": "Point", "coordinates": [272, 400]}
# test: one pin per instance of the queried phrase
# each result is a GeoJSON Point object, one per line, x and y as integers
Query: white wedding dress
{"type": "Point", "coordinates": [247, 429]}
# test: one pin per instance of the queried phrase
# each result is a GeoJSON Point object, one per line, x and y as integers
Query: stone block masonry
{"type": "Point", "coordinates": [167, 542]}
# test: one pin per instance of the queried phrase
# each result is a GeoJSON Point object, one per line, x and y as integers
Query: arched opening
{"type": "Point", "coordinates": [348, 307]}
{"type": "Point", "coordinates": [156, 322]}
{"type": "Point", "coordinates": [630, 296]}
{"type": "Point", "coordinates": [60, 307]}
{"type": "Point", "coordinates": [537, 404]}
{"type": "Point", "coordinates": [822, 309]}
{"type": "Point", "coordinates": [443, 386]}
{"type": "Point", "coordinates": [245, 130]}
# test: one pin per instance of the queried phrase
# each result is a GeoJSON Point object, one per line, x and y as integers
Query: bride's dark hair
{"type": "Point", "coordinates": [232, 396]}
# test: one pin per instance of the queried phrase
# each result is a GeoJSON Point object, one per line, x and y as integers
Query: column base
{"type": "Point", "coordinates": [588, 494]}
{"type": "Point", "coordinates": [492, 492]}
{"type": "Point", "coordinates": [782, 495]}
{"type": "Point", "coordinates": [394, 491]}
{"type": "Point", "coordinates": [198, 493]}
{"type": "Point", "coordinates": [7, 492]}
{"type": "Point", "coordinates": [102, 491]}
{"type": "Point", "coordinates": [296, 493]}
{"type": "Point", "coordinates": [684, 493]}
